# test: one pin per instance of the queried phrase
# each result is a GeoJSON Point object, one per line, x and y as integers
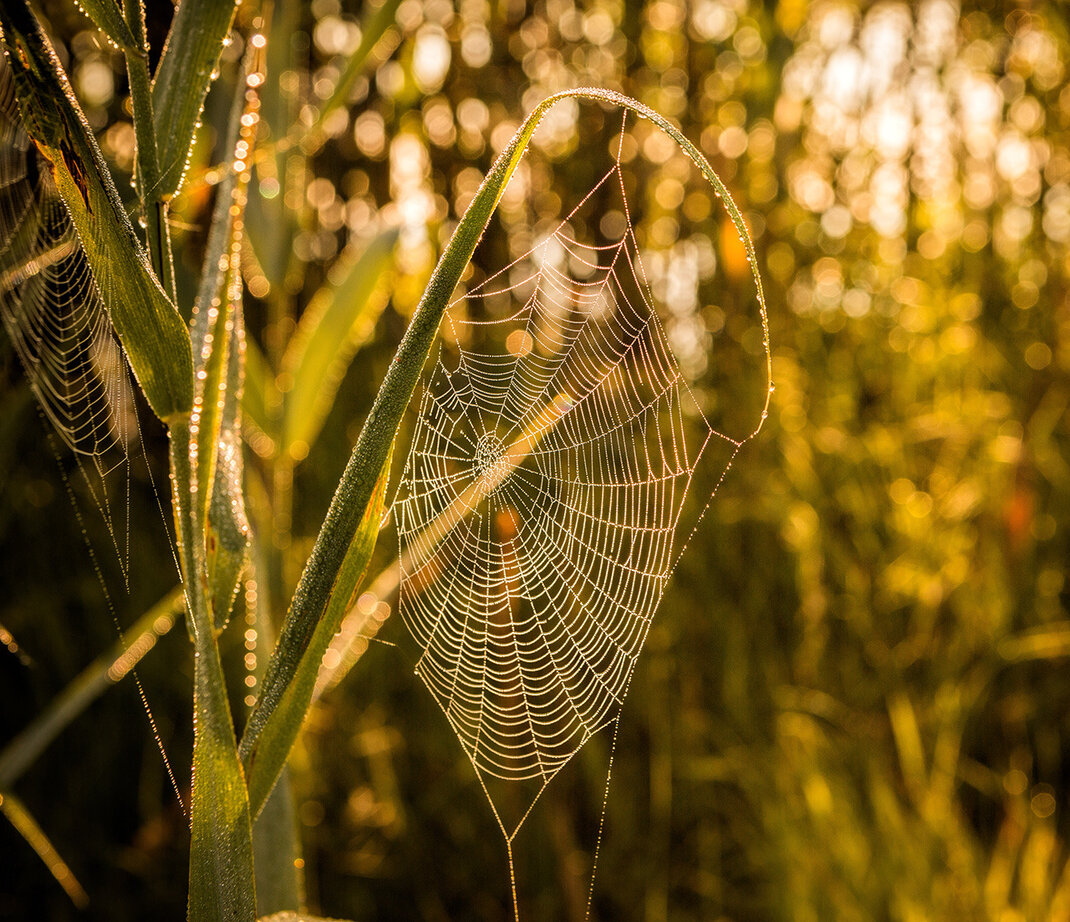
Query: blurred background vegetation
{"type": "Point", "coordinates": [854, 703]}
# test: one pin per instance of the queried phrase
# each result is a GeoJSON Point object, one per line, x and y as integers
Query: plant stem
{"type": "Point", "coordinates": [221, 885]}
{"type": "Point", "coordinates": [189, 528]}
{"type": "Point", "coordinates": [157, 231]}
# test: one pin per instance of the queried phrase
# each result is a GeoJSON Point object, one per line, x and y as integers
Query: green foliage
{"type": "Point", "coordinates": [153, 335]}
{"type": "Point", "coordinates": [339, 320]}
{"type": "Point", "coordinates": [189, 61]}
{"type": "Point", "coordinates": [107, 16]}
{"type": "Point", "coordinates": [269, 739]}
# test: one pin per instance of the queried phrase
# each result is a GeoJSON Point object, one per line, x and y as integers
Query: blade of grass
{"type": "Point", "coordinates": [221, 885]}
{"type": "Point", "coordinates": [279, 733]}
{"type": "Point", "coordinates": [259, 394]}
{"type": "Point", "coordinates": [107, 17]}
{"type": "Point", "coordinates": [183, 76]}
{"type": "Point", "coordinates": [157, 231]}
{"type": "Point", "coordinates": [27, 827]}
{"type": "Point", "coordinates": [221, 355]}
{"type": "Point", "coordinates": [211, 364]}
{"type": "Point", "coordinates": [339, 318]}
{"type": "Point", "coordinates": [228, 525]}
{"type": "Point", "coordinates": [215, 265]}
{"type": "Point", "coordinates": [105, 671]}
{"type": "Point", "coordinates": [376, 21]}
{"type": "Point", "coordinates": [151, 331]}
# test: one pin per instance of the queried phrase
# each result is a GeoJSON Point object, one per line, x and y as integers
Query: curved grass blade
{"type": "Point", "coordinates": [148, 325]}
{"type": "Point", "coordinates": [280, 730]}
{"type": "Point", "coordinates": [215, 321]}
{"type": "Point", "coordinates": [28, 828]}
{"type": "Point", "coordinates": [376, 22]}
{"type": "Point", "coordinates": [338, 320]}
{"type": "Point", "coordinates": [183, 76]}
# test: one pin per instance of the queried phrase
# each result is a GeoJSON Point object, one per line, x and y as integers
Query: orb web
{"type": "Point", "coordinates": [55, 317]}
{"type": "Point", "coordinates": [541, 510]}
{"type": "Point", "coordinates": [51, 309]}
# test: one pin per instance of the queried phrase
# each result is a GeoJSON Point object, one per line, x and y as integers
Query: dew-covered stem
{"type": "Point", "coordinates": [157, 232]}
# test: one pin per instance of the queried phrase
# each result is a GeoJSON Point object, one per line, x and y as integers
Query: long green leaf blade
{"type": "Point", "coordinates": [189, 59]}
{"type": "Point", "coordinates": [210, 393]}
{"type": "Point", "coordinates": [147, 174]}
{"type": "Point", "coordinates": [228, 525]}
{"type": "Point", "coordinates": [282, 724]}
{"type": "Point", "coordinates": [374, 26]}
{"type": "Point", "coordinates": [260, 401]}
{"type": "Point", "coordinates": [338, 320]}
{"type": "Point", "coordinates": [107, 17]}
{"type": "Point", "coordinates": [148, 325]}
{"type": "Point", "coordinates": [35, 837]}
{"type": "Point", "coordinates": [221, 887]}
{"type": "Point", "coordinates": [221, 356]}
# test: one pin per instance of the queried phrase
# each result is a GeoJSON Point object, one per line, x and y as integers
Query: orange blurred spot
{"type": "Point", "coordinates": [507, 525]}
{"type": "Point", "coordinates": [733, 253]}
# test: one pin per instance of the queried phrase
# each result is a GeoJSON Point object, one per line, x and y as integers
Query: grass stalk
{"type": "Point", "coordinates": [157, 231]}
{"type": "Point", "coordinates": [221, 887]}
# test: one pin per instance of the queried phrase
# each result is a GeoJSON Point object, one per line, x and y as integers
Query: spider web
{"type": "Point", "coordinates": [49, 301]}
{"type": "Point", "coordinates": [55, 318]}
{"type": "Point", "coordinates": [542, 509]}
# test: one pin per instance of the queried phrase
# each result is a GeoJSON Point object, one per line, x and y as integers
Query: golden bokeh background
{"type": "Point", "coordinates": [854, 703]}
